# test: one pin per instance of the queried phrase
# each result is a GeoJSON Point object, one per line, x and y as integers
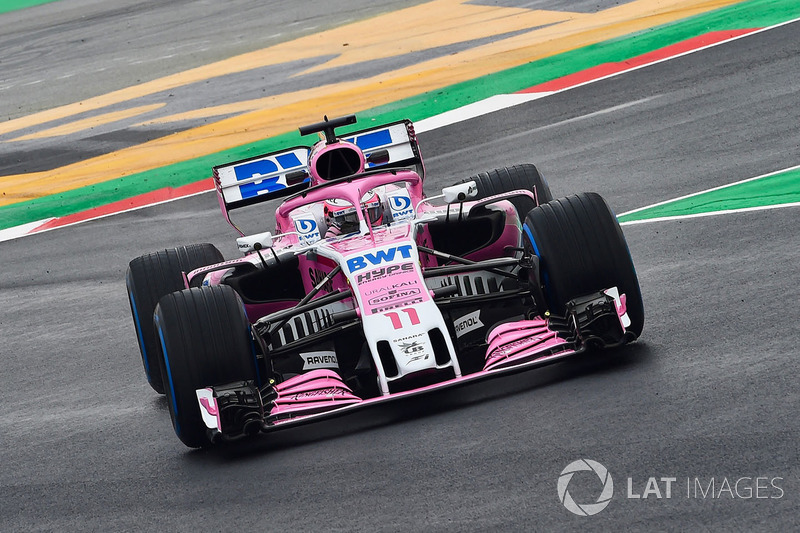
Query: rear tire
{"type": "Point", "coordinates": [525, 176]}
{"type": "Point", "coordinates": [581, 250]}
{"type": "Point", "coordinates": [151, 276]}
{"type": "Point", "coordinates": [205, 341]}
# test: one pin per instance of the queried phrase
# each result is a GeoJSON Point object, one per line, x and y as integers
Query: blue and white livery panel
{"type": "Point", "coordinates": [244, 181]}
{"type": "Point", "coordinates": [394, 139]}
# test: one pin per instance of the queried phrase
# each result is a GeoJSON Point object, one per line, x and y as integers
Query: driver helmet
{"type": "Point", "coordinates": [341, 217]}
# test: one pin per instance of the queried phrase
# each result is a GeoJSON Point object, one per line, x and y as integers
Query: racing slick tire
{"type": "Point", "coordinates": [205, 341]}
{"type": "Point", "coordinates": [525, 176]}
{"type": "Point", "coordinates": [151, 276]}
{"type": "Point", "coordinates": [582, 249]}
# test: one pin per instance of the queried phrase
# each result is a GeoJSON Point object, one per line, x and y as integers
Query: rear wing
{"type": "Point", "coordinates": [278, 174]}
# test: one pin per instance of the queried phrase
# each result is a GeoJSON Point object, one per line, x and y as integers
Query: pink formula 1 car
{"type": "Point", "coordinates": [369, 290]}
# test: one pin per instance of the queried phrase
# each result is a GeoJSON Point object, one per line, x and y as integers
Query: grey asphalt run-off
{"type": "Point", "coordinates": [709, 391]}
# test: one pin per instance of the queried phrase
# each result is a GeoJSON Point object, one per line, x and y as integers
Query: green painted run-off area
{"type": "Point", "coordinates": [773, 189]}
{"type": "Point", "coordinates": [13, 5]}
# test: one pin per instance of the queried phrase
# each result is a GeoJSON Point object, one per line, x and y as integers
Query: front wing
{"type": "Point", "coordinates": [238, 409]}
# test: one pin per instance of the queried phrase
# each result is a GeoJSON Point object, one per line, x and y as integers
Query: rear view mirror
{"type": "Point", "coordinates": [296, 178]}
{"type": "Point", "coordinates": [460, 192]}
{"type": "Point", "coordinates": [378, 157]}
{"type": "Point", "coordinates": [254, 242]}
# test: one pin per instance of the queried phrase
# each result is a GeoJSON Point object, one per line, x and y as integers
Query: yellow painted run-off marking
{"type": "Point", "coordinates": [91, 122]}
{"type": "Point", "coordinates": [394, 34]}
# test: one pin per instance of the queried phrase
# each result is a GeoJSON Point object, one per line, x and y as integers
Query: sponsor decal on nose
{"type": "Point", "coordinates": [320, 359]}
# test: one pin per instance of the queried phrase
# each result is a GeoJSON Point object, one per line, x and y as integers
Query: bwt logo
{"type": "Point", "coordinates": [307, 230]}
{"type": "Point", "coordinates": [585, 509]}
{"type": "Point", "coordinates": [399, 203]}
{"type": "Point", "coordinates": [305, 225]}
{"type": "Point", "coordinates": [357, 263]}
{"type": "Point", "coordinates": [400, 207]}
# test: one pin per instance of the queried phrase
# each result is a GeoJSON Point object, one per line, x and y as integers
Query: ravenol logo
{"type": "Point", "coordinates": [388, 255]}
{"type": "Point", "coordinates": [585, 509]}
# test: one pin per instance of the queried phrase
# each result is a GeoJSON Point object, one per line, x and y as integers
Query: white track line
{"type": "Point", "coordinates": [476, 109]}
{"type": "Point", "coordinates": [23, 230]}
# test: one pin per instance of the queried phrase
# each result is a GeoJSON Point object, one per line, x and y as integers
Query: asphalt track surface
{"type": "Point", "coordinates": [74, 50]}
{"type": "Point", "coordinates": [77, 49]}
{"type": "Point", "coordinates": [69, 50]}
{"type": "Point", "coordinates": [708, 392]}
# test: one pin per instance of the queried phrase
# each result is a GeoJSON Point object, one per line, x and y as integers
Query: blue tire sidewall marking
{"type": "Point", "coordinates": [545, 277]}
{"type": "Point", "coordinates": [530, 236]}
{"type": "Point", "coordinates": [139, 335]}
{"type": "Point", "coordinates": [169, 377]}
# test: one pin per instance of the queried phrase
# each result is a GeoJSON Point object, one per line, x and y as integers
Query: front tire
{"type": "Point", "coordinates": [525, 176]}
{"type": "Point", "coordinates": [205, 341]}
{"type": "Point", "coordinates": [151, 276]}
{"type": "Point", "coordinates": [582, 249]}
